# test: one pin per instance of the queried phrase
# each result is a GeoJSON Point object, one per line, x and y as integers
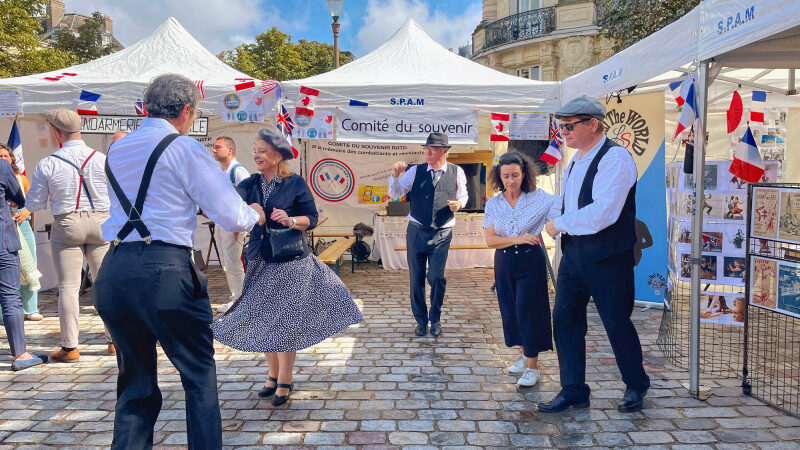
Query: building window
{"type": "Point", "coordinates": [523, 73]}
{"type": "Point", "coordinates": [534, 73]}
{"type": "Point", "coordinates": [528, 5]}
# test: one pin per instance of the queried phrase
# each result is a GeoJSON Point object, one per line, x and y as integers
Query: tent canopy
{"type": "Point", "coordinates": [411, 65]}
{"type": "Point", "coordinates": [120, 78]}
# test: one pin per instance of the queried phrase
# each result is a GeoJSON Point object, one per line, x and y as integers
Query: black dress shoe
{"type": "Point", "coordinates": [436, 329]}
{"type": "Point", "coordinates": [267, 391]}
{"type": "Point", "coordinates": [278, 400]}
{"type": "Point", "coordinates": [632, 401]}
{"type": "Point", "coordinates": [421, 330]}
{"type": "Point", "coordinates": [561, 403]}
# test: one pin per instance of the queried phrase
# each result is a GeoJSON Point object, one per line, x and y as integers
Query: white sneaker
{"type": "Point", "coordinates": [529, 378]}
{"type": "Point", "coordinates": [519, 366]}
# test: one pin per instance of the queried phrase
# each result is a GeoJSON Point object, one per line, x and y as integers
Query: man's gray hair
{"type": "Point", "coordinates": [167, 95]}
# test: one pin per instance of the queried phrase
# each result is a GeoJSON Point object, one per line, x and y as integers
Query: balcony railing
{"type": "Point", "coordinates": [524, 25]}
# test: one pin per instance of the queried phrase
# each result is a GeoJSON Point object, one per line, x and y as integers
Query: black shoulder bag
{"type": "Point", "coordinates": [284, 242]}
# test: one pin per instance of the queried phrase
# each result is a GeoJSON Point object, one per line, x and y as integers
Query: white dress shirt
{"type": "Point", "coordinates": [616, 174]}
{"type": "Point", "coordinates": [184, 178]}
{"type": "Point", "coordinates": [532, 211]}
{"type": "Point", "coordinates": [399, 187]}
{"type": "Point", "coordinates": [241, 172]}
{"type": "Point", "coordinates": [57, 181]}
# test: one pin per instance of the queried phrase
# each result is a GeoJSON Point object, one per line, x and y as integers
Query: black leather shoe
{"type": "Point", "coordinates": [421, 330]}
{"type": "Point", "coordinates": [632, 401]}
{"type": "Point", "coordinates": [278, 400]}
{"type": "Point", "coordinates": [436, 329]}
{"type": "Point", "coordinates": [561, 403]}
{"type": "Point", "coordinates": [267, 391]}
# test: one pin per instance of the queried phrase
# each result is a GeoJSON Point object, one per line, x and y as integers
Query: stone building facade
{"type": "Point", "coordinates": [56, 18]}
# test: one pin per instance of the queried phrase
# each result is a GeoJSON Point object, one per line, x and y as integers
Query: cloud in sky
{"type": "Point", "coordinates": [384, 17]}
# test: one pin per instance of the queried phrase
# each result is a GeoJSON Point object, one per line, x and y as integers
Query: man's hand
{"type": "Point", "coordinates": [398, 168]}
{"type": "Point", "coordinates": [280, 216]}
{"type": "Point", "coordinates": [550, 228]}
{"type": "Point", "coordinates": [22, 216]}
{"type": "Point", "coordinates": [454, 205]}
{"type": "Point", "coordinates": [261, 216]}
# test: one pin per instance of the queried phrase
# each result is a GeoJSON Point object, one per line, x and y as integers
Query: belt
{"type": "Point", "coordinates": [155, 243]}
{"type": "Point", "coordinates": [518, 248]}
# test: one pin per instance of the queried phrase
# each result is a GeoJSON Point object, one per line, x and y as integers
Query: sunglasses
{"type": "Point", "coordinates": [570, 126]}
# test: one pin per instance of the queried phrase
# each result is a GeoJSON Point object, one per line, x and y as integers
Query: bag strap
{"type": "Point", "coordinates": [81, 179]}
{"type": "Point", "coordinates": [134, 212]}
{"type": "Point", "coordinates": [233, 172]}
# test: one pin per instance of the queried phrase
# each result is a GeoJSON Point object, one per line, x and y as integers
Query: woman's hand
{"type": "Point", "coordinates": [527, 238]}
{"type": "Point", "coordinates": [280, 216]}
{"type": "Point", "coordinates": [22, 216]}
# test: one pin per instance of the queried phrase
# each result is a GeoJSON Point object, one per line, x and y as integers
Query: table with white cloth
{"type": "Point", "coordinates": [390, 232]}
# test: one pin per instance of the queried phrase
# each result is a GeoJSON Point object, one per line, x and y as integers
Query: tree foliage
{"type": "Point", "coordinates": [20, 50]}
{"type": "Point", "coordinates": [628, 21]}
{"type": "Point", "coordinates": [87, 45]}
{"type": "Point", "coordinates": [274, 55]}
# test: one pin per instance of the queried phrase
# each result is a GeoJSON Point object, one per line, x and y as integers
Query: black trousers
{"type": "Point", "coordinates": [427, 247]}
{"type": "Point", "coordinates": [610, 283]}
{"type": "Point", "coordinates": [520, 274]}
{"type": "Point", "coordinates": [147, 294]}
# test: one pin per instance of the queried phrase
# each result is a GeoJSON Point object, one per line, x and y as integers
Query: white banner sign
{"type": "Point", "coordinates": [111, 124]}
{"type": "Point", "coordinates": [365, 124]}
{"type": "Point", "coordinates": [243, 106]}
{"type": "Point", "coordinates": [10, 102]}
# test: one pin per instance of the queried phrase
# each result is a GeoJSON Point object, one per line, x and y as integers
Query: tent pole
{"type": "Point", "coordinates": [701, 95]}
{"type": "Point", "coordinates": [792, 83]}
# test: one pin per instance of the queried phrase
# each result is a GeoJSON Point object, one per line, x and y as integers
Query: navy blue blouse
{"type": "Point", "coordinates": [291, 195]}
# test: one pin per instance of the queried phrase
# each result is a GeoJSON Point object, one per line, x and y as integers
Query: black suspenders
{"type": "Point", "coordinates": [134, 212]}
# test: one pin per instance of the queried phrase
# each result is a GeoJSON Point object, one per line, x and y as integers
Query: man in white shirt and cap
{"type": "Point", "coordinates": [148, 291]}
{"type": "Point", "coordinates": [598, 235]}
{"type": "Point", "coordinates": [74, 182]}
{"type": "Point", "coordinates": [231, 243]}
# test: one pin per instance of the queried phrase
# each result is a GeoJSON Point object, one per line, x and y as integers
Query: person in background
{"type": "Point", "coordinates": [288, 302]}
{"type": "Point", "coordinates": [148, 291]}
{"type": "Point", "coordinates": [512, 223]}
{"type": "Point", "coordinates": [118, 135]}
{"type": "Point", "coordinates": [74, 182]}
{"type": "Point", "coordinates": [436, 190]}
{"type": "Point", "coordinates": [24, 219]}
{"type": "Point", "coordinates": [224, 151]}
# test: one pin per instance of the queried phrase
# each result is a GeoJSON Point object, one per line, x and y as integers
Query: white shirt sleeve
{"type": "Point", "coordinates": [555, 208]}
{"type": "Point", "coordinates": [399, 187]}
{"type": "Point", "coordinates": [616, 174]}
{"type": "Point", "coordinates": [461, 193]}
{"type": "Point", "coordinates": [36, 198]}
{"type": "Point", "coordinates": [241, 174]}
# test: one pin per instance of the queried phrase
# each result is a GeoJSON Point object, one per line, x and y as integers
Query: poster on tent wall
{"type": "Point", "coordinates": [242, 106]}
{"type": "Point", "coordinates": [638, 125]}
{"type": "Point", "coordinates": [405, 125]}
{"type": "Point", "coordinates": [350, 180]}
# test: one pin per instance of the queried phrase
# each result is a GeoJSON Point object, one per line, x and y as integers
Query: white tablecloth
{"type": "Point", "coordinates": [390, 232]}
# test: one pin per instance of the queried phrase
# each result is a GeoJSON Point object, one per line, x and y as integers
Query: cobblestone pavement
{"type": "Point", "coordinates": [378, 386]}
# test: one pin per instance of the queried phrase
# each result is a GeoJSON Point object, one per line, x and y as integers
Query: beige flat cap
{"type": "Point", "coordinates": [64, 119]}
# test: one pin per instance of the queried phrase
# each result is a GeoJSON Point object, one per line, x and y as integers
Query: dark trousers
{"type": "Point", "coordinates": [147, 294]}
{"type": "Point", "coordinates": [427, 247]}
{"type": "Point", "coordinates": [520, 274]}
{"type": "Point", "coordinates": [11, 302]}
{"type": "Point", "coordinates": [610, 283]}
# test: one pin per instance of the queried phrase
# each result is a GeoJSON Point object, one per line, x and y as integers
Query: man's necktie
{"type": "Point", "coordinates": [436, 175]}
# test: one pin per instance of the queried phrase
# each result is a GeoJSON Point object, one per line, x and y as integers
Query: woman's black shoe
{"type": "Point", "coordinates": [267, 391]}
{"type": "Point", "coordinates": [278, 400]}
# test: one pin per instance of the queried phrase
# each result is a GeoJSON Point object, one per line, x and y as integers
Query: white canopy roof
{"type": "Point", "coordinates": [412, 65]}
{"type": "Point", "coordinates": [120, 78]}
{"type": "Point", "coordinates": [762, 34]}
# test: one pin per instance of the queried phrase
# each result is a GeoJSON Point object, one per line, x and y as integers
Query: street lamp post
{"type": "Point", "coordinates": [335, 7]}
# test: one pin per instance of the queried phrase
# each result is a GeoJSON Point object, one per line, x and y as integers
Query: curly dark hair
{"type": "Point", "coordinates": [524, 162]}
{"type": "Point", "coordinates": [13, 159]}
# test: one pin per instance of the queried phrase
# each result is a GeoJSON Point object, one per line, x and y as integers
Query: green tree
{"type": "Point", "coordinates": [628, 21]}
{"type": "Point", "coordinates": [87, 44]}
{"type": "Point", "coordinates": [274, 55]}
{"type": "Point", "coordinates": [20, 50]}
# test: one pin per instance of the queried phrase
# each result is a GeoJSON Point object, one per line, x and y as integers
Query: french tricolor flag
{"type": "Point", "coordinates": [15, 144]}
{"type": "Point", "coordinates": [747, 164]}
{"type": "Point", "coordinates": [553, 154]}
{"type": "Point", "coordinates": [757, 106]}
{"type": "Point", "coordinates": [680, 89]}
{"type": "Point", "coordinates": [688, 114]}
{"type": "Point", "coordinates": [88, 103]}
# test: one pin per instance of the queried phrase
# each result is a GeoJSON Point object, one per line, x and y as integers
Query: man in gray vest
{"type": "Point", "coordinates": [436, 190]}
{"type": "Point", "coordinates": [598, 226]}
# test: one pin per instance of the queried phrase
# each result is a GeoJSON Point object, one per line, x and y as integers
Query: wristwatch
{"type": "Point", "coordinates": [294, 222]}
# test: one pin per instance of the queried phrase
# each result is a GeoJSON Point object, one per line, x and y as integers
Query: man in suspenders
{"type": "Point", "coordinates": [72, 179]}
{"type": "Point", "coordinates": [148, 291]}
{"type": "Point", "coordinates": [598, 234]}
{"type": "Point", "coordinates": [232, 242]}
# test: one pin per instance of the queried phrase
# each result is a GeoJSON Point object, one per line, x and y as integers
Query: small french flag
{"type": "Point", "coordinates": [680, 89]}
{"type": "Point", "coordinates": [688, 114]}
{"type": "Point", "coordinates": [553, 154]}
{"type": "Point", "coordinates": [308, 98]}
{"type": "Point", "coordinates": [88, 102]}
{"type": "Point", "coordinates": [747, 164]}
{"type": "Point", "coordinates": [757, 106]}
{"type": "Point", "coordinates": [500, 131]}
{"type": "Point", "coordinates": [358, 103]}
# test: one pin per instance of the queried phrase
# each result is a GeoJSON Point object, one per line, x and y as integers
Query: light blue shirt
{"type": "Point", "coordinates": [615, 176]}
{"type": "Point", "coordinates": [184, 178]}
{"type": "Point", "coordinates": [399, 187]}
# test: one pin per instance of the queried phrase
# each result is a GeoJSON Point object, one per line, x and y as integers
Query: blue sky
{"type": "Point", "coordinates": [222, 25]}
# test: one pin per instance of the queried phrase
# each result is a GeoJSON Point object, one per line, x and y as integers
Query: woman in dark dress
{"type": "Point", "coordinates": [288, 303]}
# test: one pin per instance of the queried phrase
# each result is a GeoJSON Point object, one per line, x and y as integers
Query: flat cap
{"type": "Point", "coordinates": [277, 141]}
{"type": "Point", "coordinates": [582, 106]}
{"type": "Point", "coordinates": [64, 119]}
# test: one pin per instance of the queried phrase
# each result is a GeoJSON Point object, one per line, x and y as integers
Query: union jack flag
{"type": "Point", "coordinates": [199, 84]}
{"type": "Point", "coordinates": [284, 122]}
{"type": "Point", "coordinates": [140, 109]}
{"type": "Point", "coordinates": [555, 135]}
